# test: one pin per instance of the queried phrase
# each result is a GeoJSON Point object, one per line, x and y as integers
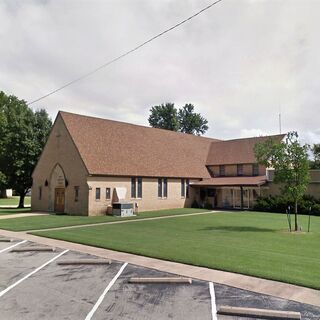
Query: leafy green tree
{"type": "Point", "coordinates": [315, 164]}
{"type": "Point", "coordinates": [191, 122]}
{"type": "Point", "coordinates": [290, 161]}
{"type": "Point", "coordinates": [164, 116]}
{"type": "Point", "coordinates": [23, 134]}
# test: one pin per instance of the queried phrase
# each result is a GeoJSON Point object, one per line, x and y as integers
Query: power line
{"type": "Point", "coordinates": [124, 54]}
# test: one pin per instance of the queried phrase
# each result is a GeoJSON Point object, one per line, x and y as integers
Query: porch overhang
{"type": "Point", "coordinates": [231, 182]}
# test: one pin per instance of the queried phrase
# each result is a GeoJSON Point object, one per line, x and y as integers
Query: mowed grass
{"type": "Point", "coordinates": [14, 201]}
{"type": "Point", "coordinates": [6, 211]}
{"type": "Point", "coordinates": [55, 221]}
{"type": "Point", "coordinates": [256, 244]}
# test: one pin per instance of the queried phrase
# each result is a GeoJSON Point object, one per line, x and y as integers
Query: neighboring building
{"type": "Point", "coordinates": [86, 160]}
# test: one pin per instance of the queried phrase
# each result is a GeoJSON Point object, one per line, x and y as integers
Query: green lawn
{"type": "Point", "coordinates": [14, 201]}
{"type": "Point", "coordinates": [5, 211]}
{"type": "Point", "coordinates": [256, 244]}
{"type": "Point", "coordinates": [54, 221]}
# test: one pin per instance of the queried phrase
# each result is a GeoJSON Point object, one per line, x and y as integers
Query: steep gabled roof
{"type": "Point", "coordinates": [237, 151]}
{"type": "Point", "coordinates": [121, 149]}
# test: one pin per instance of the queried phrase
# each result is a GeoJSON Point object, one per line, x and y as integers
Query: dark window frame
{"type": "Point", "coordinates": [165, 187]}
{"type": "Point", "coordinates": [98, 194]}
{"type": "Point", "coordinates": [239, 170]}
{"type": "Point", "coordinates": [108, 193]}
{"type": "Point", "coordinates": [255, 169]}
{"type": "Point", "coordinates": [222, 170]}
{"type": "Point", "coordinates": [187, 188]}
{"type": "Point", "coordinates": [160, 188]}
{"type": "Point", "coordinates": [40, 193]}
{"type": "Point", "coordinates": [139, 188]}
{"type": "Point", "coordinates": [76, 193]}
{"type": "Point", "coordinates": [183, 188]}
{"type": "Point", "coordinates": [133, 188]}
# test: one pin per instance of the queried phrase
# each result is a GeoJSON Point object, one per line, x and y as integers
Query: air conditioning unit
{"type": "Point", "coordinates": [122, 209]}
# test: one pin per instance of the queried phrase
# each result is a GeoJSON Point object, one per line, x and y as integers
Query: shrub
{"type": "Point", "coordinates": [280, 204]}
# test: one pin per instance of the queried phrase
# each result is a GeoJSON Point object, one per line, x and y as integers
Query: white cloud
{"type": "Point", "coordinates": [238, 62]}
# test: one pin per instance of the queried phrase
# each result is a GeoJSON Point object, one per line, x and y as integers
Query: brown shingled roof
{"type": "Point", "coordinates": [232, 181]}
{"type": "Point", "coordinates": [238, 151]}
{"type": "Point", "coordinates": [116, 148]}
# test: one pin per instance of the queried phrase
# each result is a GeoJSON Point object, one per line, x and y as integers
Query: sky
{"type": "Point", "coordinates": [240, 63]}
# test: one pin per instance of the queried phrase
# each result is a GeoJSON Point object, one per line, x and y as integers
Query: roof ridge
{"type": "Point", "coordinates": [138, 125]}
{"type": "Point", "coordinates": [255, 137]}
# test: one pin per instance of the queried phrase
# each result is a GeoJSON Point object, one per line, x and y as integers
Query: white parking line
{"type": "Point", "coordinates": [31, 273]}
{"type": "Point", "coordinates": [14, 245]}
{"type": "Point", "coordinates": [213, 301]}
{"type": "Point", "coordinates": [99, 301]}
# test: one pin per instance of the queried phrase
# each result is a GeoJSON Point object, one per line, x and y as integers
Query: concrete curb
{"type": "Point", "coordinates": [258, 313]}
{"type": "Point", "coordinates": [161, 280]}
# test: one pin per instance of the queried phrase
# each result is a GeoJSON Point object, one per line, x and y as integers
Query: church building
{"type": "Point", "coordinates": [87, 161]}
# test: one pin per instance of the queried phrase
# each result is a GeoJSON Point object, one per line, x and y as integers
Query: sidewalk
{"type": "Point", "coordinates": [21, 215]}
{"type": "Point", "coordinates": [269, 287]}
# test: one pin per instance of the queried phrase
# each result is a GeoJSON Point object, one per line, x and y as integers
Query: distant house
{"type": "Point", "coordinates": [86, 160]}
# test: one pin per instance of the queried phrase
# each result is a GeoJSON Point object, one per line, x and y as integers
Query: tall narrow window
{"type": "Point", "coordinates": [133, 188]}
{"type": "Point", "coordinates": [40, 193]}
{"type": "Point", "coordinates": [139, 187]}
{"type": "Point", "coordinates": [255, 169]}
{"type": "Point", "coordinates": [222, 171]}
{"type": "Point", "coordinates": [76, 194]}
{"type": "Point", "coordinates": [183, 188]}
{"type": "Point", "coordinates": [108, 193]}
{"type": "Point", "coordinates": [98, 193]}
{"type": "Point", "coordinates": [165, 187]}
{"type": "Point", "coordinates": [187, 189]}
{"type": "Point", "coordinates": [239, 169]}
{"type": "Point", "coordinates": [159, 188]}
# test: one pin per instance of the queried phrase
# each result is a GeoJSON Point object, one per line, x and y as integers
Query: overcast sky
{"type": "Point", "coordinates": [238, 63]}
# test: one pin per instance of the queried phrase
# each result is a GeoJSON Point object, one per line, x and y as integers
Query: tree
{"type": "Point", "coordinates": [22, 136]}
{"type": "Point", "coordinates": [166, 116]}
{"type": "Point", "coordinates": [191, 122]}
{"type": "Point", "coordinates": [315, 164]}
{"type": "Point", "coordinates": [290, 161]}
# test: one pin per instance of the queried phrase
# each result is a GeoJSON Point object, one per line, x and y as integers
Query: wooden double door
{"type": "Point", "coordinates": [59, 200]}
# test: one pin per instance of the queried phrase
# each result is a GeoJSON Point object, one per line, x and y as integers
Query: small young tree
{"type": "Point", "coordinates": [315, 164]}
{"type": "Point", "coordinates": [290, 161]}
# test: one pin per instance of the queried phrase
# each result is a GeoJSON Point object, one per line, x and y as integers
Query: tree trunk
{"type": "Point", "coordinates": [3, 193]}
{"type": "Point", "coordinates": [296, 215]}
{"type": "Point", "coordinates": [21, 201]}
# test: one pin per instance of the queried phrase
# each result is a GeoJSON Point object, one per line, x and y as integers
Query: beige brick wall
{"type": "Point", "coordinates": [60, 150]}
{"type": "Point", "coordinates": [149, 200]}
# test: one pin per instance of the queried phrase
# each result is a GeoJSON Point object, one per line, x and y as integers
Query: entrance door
{"type": "Point", "coordinates": [237, 198]}
{"type": "Point", "coordinates": [59, 200]}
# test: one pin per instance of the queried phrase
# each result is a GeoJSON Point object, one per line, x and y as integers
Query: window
{"type": "Point", "coordinates": [159, 188]}
{"type": "Point", "coordinates": [222, 171]}
{"type": "Point", "coordinates": [187, 190]}
{"type": "Point", "coordinates": [139, 187]}
{"type": "Point", "coordinates": [162, 188]}
{"type": "Point", "coordinates": [136, 187]}
{"type": "Point", "coordinates": [133, 188]}
{"type": "Point", "coordinates": [165, 187]}
{"type": "Point", "coordinates": [239, 169]}
{"type": "Point", "coordinates": [76, 194]}
{"type": "Point", "coordinates": [98, 192]}
{"type": "Point", "coordinates": [183, 188]}
{"type": "Point", "coordinates": [108, 193]}
{"type": "Point", "coordinates": [255, 169]}
{"type": "Point", "coordinates": [40, 193]}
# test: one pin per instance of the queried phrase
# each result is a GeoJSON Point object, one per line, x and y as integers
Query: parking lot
{"type": "Point", "coordinates": [33, 285]}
